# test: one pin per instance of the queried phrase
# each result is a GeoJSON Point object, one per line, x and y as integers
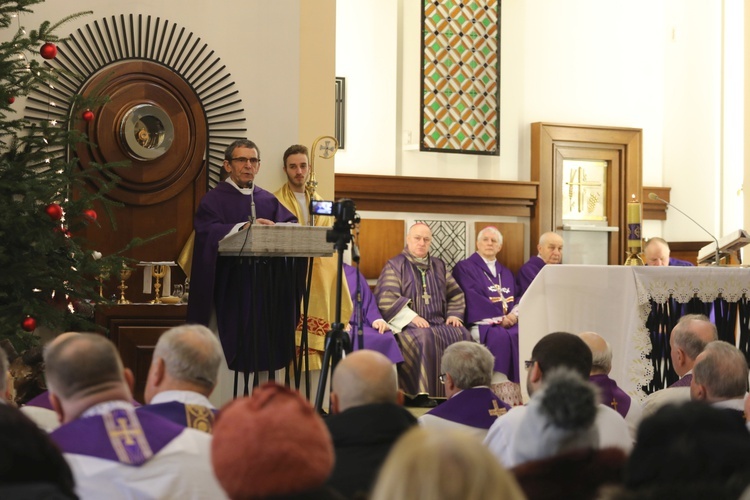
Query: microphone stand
{"type": "Point", "coordinates": [653, 196]}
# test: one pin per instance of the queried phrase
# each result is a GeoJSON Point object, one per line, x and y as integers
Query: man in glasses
{"type": "Point", "coordinates": [226, 209]}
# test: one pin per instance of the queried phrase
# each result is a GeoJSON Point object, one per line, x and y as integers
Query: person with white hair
{"type": "Point", "coordinates": [720, 377]}
{"type": "Point", "coordinates": [492, 310]}
{"type": "Point", "coordinates": [183, 374]}
{"type": "Point", "coordinates": [471, 405]}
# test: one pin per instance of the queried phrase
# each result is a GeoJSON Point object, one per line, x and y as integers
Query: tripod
{"type": "Point", "coordinates": [337, 340]}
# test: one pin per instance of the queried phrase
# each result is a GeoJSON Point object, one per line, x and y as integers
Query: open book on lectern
{"type": "Point", "coordinates": [281, 240]}
{"type": "Point", "coordinates": [729, 243]}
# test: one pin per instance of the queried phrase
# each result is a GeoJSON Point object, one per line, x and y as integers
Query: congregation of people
{"type": "Point", "coordinates": [449, 335]}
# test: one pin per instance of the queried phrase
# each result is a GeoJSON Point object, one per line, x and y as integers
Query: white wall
{"type": "Point", "coordinates": [257, 40]}
{"type": "Point", "coordinates": [631, 63]}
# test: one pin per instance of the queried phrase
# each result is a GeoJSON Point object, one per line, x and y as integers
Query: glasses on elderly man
{"type": "Point", "coordinates": [442, 378]}
{"type": "Point", "coordinates": [243, 160]}
{"type": "Point", "coordinates": [528, 364]}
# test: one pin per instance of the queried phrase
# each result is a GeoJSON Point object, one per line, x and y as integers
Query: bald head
{"type": "Point", "coordinates": [550, 248]}
{"type": "Point", "coordinates": [688, 339]}
{"type": "Point", "coordinates": [601, 352]}
{"type": "Point", "coordinates": [364, 377]}
{"type": "Point", "coordinates": [418, 240]}
{"type": "Point", "coordinates": [656, 252]}
{"type": "Point", "coordinates": [82, 364]}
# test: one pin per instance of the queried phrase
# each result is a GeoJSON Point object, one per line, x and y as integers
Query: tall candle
{"type": "Point", "coordinates": [634, 223]}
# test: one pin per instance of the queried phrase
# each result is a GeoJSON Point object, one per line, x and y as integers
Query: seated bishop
{"type": "Point", "coordinates": [376, 334]}
{"type": "Point", "coordinates": [492, 311]}
{"type": "Point", "coordinates": [113, 451]}
{"type": "Point", "coordinates": [424, 305]}
{"type": "Point", "coordinates": [550, 249]}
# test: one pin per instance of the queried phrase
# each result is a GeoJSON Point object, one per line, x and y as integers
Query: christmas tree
{"type": "Point", "coordinates": [49, 274]}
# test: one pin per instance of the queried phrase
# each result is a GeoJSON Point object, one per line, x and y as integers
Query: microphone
{"type": "Point", "coordinates": [652, 196]}
{"type": "Point", "coordinates": [252, 203]}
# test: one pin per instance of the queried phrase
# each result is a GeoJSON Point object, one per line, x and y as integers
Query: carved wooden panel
{"type": "Point", "coordinates": [379, 240]}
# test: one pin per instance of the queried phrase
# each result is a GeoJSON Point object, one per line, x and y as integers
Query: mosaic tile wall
{"type": "Point", "coordinates": [461, 76]}
{"type": "Point", "coordinates": [448, 240]}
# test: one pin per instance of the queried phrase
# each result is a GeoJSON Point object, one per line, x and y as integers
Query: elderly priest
{"type": "Point", "coordinates": [424, 305]}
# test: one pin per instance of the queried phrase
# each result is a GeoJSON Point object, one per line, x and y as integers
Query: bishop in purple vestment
{"type": "Point", "coordinates": [376, 333]}
{"type": "Point", "coordinates": [550, 252]}
{"type": "Point", "coordinates": [424, 305]}
{"type": "Point", "coordinates": [489, 291]}
{"type": "Point", "coordinates": [217, 283]}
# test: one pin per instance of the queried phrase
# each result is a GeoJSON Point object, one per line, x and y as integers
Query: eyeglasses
{"type": "Point", "coordinates": [528, 364]}
{"type": "Point", "coordinates": [442, 378]}
{"type": "Point", "coordinates": [243, 160]}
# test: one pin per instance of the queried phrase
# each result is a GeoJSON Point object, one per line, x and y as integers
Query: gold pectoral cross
{"type": "Point", "coordinates": [496, 411]}
{"type": "Point", "coordinates": [613, 404]}
{"type": "Point", "coordinates": [426, 297]}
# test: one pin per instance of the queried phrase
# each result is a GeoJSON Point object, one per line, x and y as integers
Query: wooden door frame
{"type": "Point", "coordinates": [552, 142]}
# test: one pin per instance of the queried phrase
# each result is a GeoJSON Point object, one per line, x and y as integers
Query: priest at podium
{"type": "Point", "coordinates": [657, 253]}
{"type": "Point", "coordinates": [224, 210]}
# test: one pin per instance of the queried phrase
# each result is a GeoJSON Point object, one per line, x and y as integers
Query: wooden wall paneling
{"type": "Point", "coordinates": [379, 240]}
{"type": "Point", "coordinates": [511, 254]}
{"type": "Point", "coordinates": [655, 209]}
{"type": "Point", "coordinates": [438, 195]}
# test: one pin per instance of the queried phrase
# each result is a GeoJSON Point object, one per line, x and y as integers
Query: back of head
{"type": "Point", "coordinates": [692, 333]}
{"type": "Point", "coordinates": [270, 444]}
{"type": "Point", "coordinates": [692, 443]}
{"type": "Point", "coordinates": [28, 455]}
{"type": "Point", "coordinates": [364, 377]}
{"type": "Point", "coordinates": [722, 369]}
{"type": "Point", "coordinates": [431, 464]}
{"type": "Point", "coordinates": [4, 366]}
{"type": "Point", "coordinates": [191, 353]}
{"type": "Point", "coordinates": [469, 364]}
{"type": "Point", "coordinates": [561, 349]}
{"type": "Point", "coordinates": [81, 365]}
{"type": "Point", "coordinates": [601, 352]}
{"type": "Point", "coordinates": [559, 418]}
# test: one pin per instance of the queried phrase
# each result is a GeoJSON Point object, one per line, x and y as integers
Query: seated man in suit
{"type": "Point", "coordinates": [720, 377]}
{"type": "Point", "coordinates": [657, 252]}
{"type": "Point", "coordinates": [424, 305]}
{"type": "Point", "coordinates": [471, 404]}
{"type": "Point", "coordinates": [689, 337]}
{"type": "Point", "coordinates": [367, 418]}
{"type": "Point", "coordinates": [550, 252]}
{"type": "Point", "coordinates": [183, 375]}
{"type": "Point", "coordinates": [112, 451]}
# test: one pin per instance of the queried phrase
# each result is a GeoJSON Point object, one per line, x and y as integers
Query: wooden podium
{"type": "Point", "coordinates": [258, 310]}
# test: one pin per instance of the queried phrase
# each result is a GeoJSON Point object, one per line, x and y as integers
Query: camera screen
{"type": "Point", "coordinates": [319, 207]}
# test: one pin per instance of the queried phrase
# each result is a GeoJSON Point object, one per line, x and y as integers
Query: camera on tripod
{"type": "Point", "coordinates": [345, 217]}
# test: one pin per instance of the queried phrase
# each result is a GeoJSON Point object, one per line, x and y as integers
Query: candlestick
{"type": "Point", "coordinates": [634, 233]}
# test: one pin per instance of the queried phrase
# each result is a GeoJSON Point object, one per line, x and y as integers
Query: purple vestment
{"type": "Point", "coordinates": [679, 263]}
{"type": "Point", "coordinates": [194, 416]}
{"type": "Point", "coordinates": [475, 279]}
{"type": "Point", "coordinates": [527, 273]}
{"type": "Point", "coordinates": [610, 394]}
{"type": "Point", "coordinates": [684, 381]}
{"type": "Point", "coordinates": [131, 439]}
{"type": "Point", "coordinates": [243, 290]}
{"type": "Point", "coordinates": [384, 343]}
{"type": "Point", "coordinates": [475, 407]}
{"type": "Point", "coordinates": [401, 284]}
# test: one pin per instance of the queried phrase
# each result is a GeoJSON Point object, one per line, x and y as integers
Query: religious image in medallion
{"type": "Point", "coordinates": [584, 190]}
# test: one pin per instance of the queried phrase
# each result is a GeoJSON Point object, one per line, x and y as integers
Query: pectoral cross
{"type": "Point", "coordinates": [613, 404]}
{"type": "Point", "coordinates": [496, 411]}
{"type": "Point", "coordinates": [426, 297]}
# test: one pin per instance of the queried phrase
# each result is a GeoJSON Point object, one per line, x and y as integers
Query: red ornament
{"type": "Point", "coordinates": [90, 214]}
{"type": "Point", "coordinates": [28, 324]}
{"type": "Point", "coordinates": [11, 100]}
{"type": "Point", "coordinates": [54, 211]}
{"type": "Point", "coordinates": [48, 50]}
{"type": "Point", "coordinates": [88, 115]}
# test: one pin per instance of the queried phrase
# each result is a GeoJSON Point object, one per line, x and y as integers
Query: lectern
{"type": "Point", "coordinates": [257, 313]}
